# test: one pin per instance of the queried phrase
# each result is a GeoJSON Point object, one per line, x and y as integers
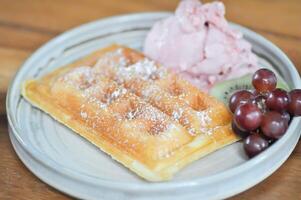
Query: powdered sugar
{"type": "Point", "coordinates": [116, 94]}
{"type": "Point", "coordinates": [83, 114]}
{"type": "Point", "coordinates": [204, 117]}
{"type": "Point", "coordinates": [81, 77]}
{"type": "Point", "coordinates": [150, 91]}
{"type": "Point", "coordinates": [112, 59]}
{"type": "Point", "coordinates": [177, 114]}
{"type": "Point", "coordinates": [144, 69]}
{"type": "Point", "coordinates": [113, 70]}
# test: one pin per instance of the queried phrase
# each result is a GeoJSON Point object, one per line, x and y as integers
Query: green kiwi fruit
{"type": "Point", "coordinates": [223, 90]}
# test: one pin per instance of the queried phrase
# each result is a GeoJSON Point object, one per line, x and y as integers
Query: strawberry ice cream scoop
{"type": "Point", "coordinates": [198, 43]}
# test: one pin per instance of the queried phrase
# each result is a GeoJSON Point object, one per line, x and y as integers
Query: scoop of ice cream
{"type": "Point", "coordinates": [198, 43]}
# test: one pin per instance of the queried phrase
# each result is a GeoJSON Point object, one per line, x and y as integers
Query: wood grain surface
{"type": "Point", "coordinates": [26, 24]}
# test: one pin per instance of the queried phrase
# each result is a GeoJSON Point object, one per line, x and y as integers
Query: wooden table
{"type": "Point", "coordinates": [25, 25]}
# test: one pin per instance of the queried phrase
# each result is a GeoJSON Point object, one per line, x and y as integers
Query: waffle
{"type": "Point", "coordinates": [135, 110]}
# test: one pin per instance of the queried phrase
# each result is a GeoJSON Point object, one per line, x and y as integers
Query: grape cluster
{"type": "Point", "coordinates": [263, 115]}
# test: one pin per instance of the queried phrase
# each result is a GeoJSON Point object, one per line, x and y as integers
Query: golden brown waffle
{"type": "Point", "coordinates": [144, 116]}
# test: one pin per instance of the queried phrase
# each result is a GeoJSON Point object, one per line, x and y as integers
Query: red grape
{"type": "Point", "coordinates": [273, 125]}
{"type": "Point", "coordinates": [238, 98]}
{"type": "Point", "coordinates": [294, 106]}
{"type": "Point", "coordinates": [286, 116]}
{"type": "Point", "coordinates": [240, 133]}
{"type": "Point", "coordinates": [278, 100]}
{"type": "Point", "coordinates": [254, 144]}
{"type": "Point", "coordinates": [264, 80]}
{"type": "Point", "coordinates": [247, 117]}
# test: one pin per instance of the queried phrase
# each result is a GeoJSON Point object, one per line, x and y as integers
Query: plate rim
{"type": "Point", "coordinates": [159, 185]}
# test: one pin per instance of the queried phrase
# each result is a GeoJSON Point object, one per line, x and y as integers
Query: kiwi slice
{"type": "Point", "coordinates": [223, 90]}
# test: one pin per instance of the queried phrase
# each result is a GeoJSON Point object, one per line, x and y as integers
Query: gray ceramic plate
{"type": "Point", "coordinates": [71, 164]}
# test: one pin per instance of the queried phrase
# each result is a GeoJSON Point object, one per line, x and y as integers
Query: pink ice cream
{"type": "Point", "coordinates": [198, 43]}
